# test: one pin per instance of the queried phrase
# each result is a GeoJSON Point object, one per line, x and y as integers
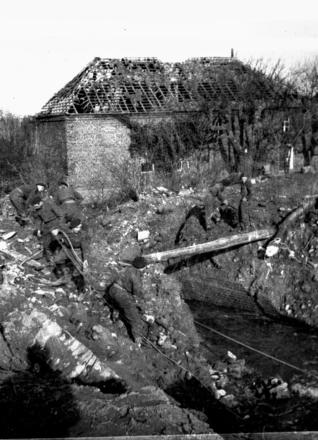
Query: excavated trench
{"type": "Point", "coordinates": [266, 304]}
{"type": "Point", "coordinates": [227, 308]}
{"type": "Point", "coordinates": [289, 341]}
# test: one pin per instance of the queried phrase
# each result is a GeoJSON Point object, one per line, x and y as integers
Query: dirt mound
{"type": "Point", "coordinates": [70, 347]}
{"type": "Point", "coordinates": [80, 353]}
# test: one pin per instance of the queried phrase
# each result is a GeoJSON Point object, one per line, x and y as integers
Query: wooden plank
{"type": "Point", "coordinates": [146, 96]}
{"type": "Point", "coordinates": [89, 99]}
{"type": "Point", "coordinates": [20, 258]}
{"type": "Point", "coordinates": [154, 96]}
{"type": "Point", "coordinates": [132, 99]}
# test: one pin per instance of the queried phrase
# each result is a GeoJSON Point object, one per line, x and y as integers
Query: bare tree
{"type": "Point", "coordinates": [15, 146]}
{"type": "Point", "coordinates": [250, 122]}
{"type": "Point", "coordinates": [237, 109]}
{"type": "Point", "coordinates": [304, 77]}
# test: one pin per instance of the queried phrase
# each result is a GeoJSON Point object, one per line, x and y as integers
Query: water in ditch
{"type": "Point", "coordinates": [288, 341]}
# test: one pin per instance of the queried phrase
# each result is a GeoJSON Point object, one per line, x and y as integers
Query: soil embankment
{"type": "Point", "coordinates": [71, 347]}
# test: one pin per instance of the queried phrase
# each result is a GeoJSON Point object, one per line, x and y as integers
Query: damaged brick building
{"type": "Point", "coordinates": [88, 117]}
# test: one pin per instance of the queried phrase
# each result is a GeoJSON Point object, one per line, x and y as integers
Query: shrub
{"type": "Point", "coordinates": [195, 173]}
{"type": "Point", "coordinates": [117, 180]}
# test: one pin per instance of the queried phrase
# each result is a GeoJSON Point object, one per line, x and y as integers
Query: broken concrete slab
{"type": "Point", "coordinates": [143, 235]}
{"type": "Point", "coordinates": [62, 351]}
{"type": "Point", "coordinates": [8, 235]}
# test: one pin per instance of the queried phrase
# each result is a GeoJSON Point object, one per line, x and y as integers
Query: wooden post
{"type": "Point", "coordinates": [210, 246]}
{"type": "Point", "coordinates": [291, 218]}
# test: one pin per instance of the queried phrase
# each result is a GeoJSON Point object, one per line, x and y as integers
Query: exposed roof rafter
{"type": "Point", "coordinates": [145, 85]}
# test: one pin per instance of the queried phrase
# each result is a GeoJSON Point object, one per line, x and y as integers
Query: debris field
{"type": "Point", "coordinates": [68, 365]}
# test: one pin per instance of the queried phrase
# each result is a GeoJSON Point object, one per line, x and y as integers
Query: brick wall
{"type": "Point", "coordinates": [92, 141]}
{"type": "Point", "coordinates": [84, 144]}
{"type": "Point", "coordinates": [153, 118]}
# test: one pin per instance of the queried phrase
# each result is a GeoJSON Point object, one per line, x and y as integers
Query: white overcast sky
{"type": "Point", "coordinates": [44, 44]}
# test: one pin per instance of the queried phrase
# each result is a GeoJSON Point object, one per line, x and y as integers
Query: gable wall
{"type": "Point", "coordinates": [87, 144]}
{"type": "Point", "coordinates": [81, 146]}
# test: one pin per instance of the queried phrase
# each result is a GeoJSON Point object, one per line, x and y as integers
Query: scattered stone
{"type": "Point", "coordinates": [130, 253]}
{"type": "Point", "coordinates": [8, 235]}
{"type": "Point", "coordinates": [307, 169]}
{"type": "Point", "coordinates": [162, 338]}
{"type": "Point", "coordinates": [143, 235]}
{"type": "Point", "coordinates": [280, 391]}
{"type": "Point", "coordinates": [305, 391]}
{"type": "Point", "coordinates": [163, 190]}
{"type": "Point", "coordinates": [168, 345]}
{"type": "Point", "coordinates": [231, 356]}
{"type": "Point", "coordinates": [215, 375]}
{"type": "Point", "coordinates": [78, 313]}
{"type": "Point", "coordinates": [271, 250]}
{"type": "Point", "coordinates": [185, 192]}
{"type": "Point", "coordinates": [236, 368]}
{"type": "Point", "coordinates": [229, 400]}
{"type": "Point", "coordinates": [105, 222]}
{"type": "Point", "coordinates": [103, 334]}
{"type": "Point", "coordinates": [149, 318]}
{"type": "Point", "coordinates": [164, 209]}
{"type": "Point", "coordinates": [220, 366]}
{"type": "Point", "coordinates": [219, 394]}
{"type": "Point", "coordinates": [3, 245]}
{"type": "Point", "coordinates": [44, 292]}
{"type": "Point", "coordinates": [221, 381]}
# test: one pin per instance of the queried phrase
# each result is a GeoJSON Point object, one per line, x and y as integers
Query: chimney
{"type": "Point", "coordinates": [232, 52]}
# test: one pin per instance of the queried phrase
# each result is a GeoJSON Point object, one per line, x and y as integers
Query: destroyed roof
{"type": "Point", "coordinates": [145, 85]}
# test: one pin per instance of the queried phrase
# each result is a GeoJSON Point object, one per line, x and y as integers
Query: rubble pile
{"type": "Point", "coordinates": [56, 337]}
{"type": "Point", "coordinates": [48, 328]}
{"type": "Point", "coordinates": [282, 281]}
{"type": "Point", "coordinates": [288, 275]}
